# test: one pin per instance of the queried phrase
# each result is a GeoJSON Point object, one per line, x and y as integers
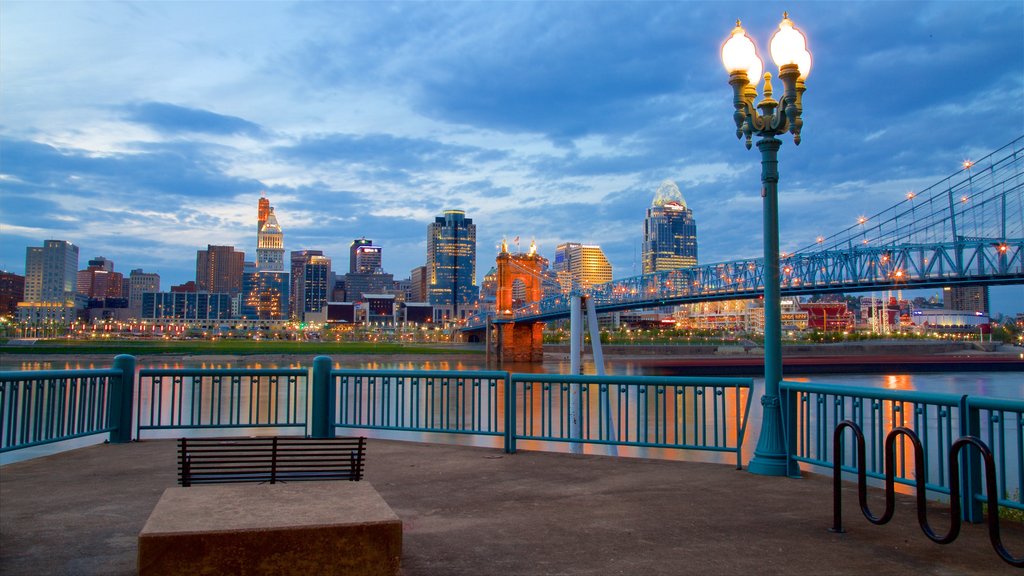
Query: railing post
{"type": "Point", "coordinates": [323, 398]}
{"type": "Point", "coordinates": [788, 405]}
{"type": "Point", "coordinates": [970, 468]}
{"type": "Point", "coordinates": [510, 414]}
{"type": "Point", "coordinates": [120, 399]}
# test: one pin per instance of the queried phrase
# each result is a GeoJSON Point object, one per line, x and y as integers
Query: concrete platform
{"type": "Point", "coordinates": [279, 529]}
{"type": "Point", "coordinates": [477, 511]}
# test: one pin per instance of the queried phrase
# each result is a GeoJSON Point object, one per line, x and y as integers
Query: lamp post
{"type": "Point", "coordinates": [768, 119]}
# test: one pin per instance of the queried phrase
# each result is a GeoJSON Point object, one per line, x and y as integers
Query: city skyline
{"type": "Point", "coordinates": [548, 121]}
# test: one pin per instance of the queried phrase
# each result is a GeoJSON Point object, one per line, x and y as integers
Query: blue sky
{"type": "Point", "coordinates": [145, 131]}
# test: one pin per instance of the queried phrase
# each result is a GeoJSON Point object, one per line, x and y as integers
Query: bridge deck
{"type": "Point", "coordinates": [478, 511]}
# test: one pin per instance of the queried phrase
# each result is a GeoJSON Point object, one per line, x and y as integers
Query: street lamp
{"type": "Point", "coordinates": [739, 55]}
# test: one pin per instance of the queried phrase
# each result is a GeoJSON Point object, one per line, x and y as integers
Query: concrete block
{"type": "Point", "coordinates": [301, 528]}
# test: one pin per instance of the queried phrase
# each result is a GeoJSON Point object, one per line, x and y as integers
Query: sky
{"type": "Point", "coordinates": [144, 131]}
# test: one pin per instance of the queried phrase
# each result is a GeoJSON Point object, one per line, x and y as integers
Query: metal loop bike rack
{"type": "Point", "coordinates": [919, 473]}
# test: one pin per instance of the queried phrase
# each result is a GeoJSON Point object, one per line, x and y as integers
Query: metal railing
{"type": "Point", "coordinates": [46, 406]}
{"type": "Point", "coordinates": [460, 402]}
{"type": "Point", "coordinates": [186, 398]}
{"type": "Point", "coordinates": [937, 420]}
{"type": "Point", "coordinates": [642, 411]}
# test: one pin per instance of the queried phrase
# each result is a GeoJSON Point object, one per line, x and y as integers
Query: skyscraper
{"type": "Point", "coordinates": [51, 272]}
{"type": "Point", "coordinates": [299, 259]}
{"type": "Point", "coordinates": [316, 284]}
{"type": "Point", "coordinates": [366, 258]}
{"type": "Point", "coordinates": [965, 298]}
{"type": "Point", "coordinates": [219, 269]}
{"type": "Point", "coordinates": [270, 245]}
{"type": "Point", "coordinates": [581, 265]}
{"type": "Point", "coordinates": [670, 233]}
{"type": "Point", "coordinates": [265, 296]}
{"type": "Point", "coordinates": [451, 265]}
{"type": "Point", "coordinates": [99, 280]}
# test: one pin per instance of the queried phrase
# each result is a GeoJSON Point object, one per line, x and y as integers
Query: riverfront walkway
{"type": "Point", "coordinates": [478, 511]}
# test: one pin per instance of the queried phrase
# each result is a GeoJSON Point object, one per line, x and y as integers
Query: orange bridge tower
{"type": "Point", "coordinates": [520, 278]}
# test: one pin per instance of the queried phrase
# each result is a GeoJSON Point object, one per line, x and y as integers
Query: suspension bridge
{"type": "Point", "coordinates": [966, 229]}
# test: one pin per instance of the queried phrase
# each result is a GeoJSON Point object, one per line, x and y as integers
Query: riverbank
{"type": "Point", "coordinates": [734, 360]}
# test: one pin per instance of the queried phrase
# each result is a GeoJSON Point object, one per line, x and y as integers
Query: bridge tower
{"type": "Point", "coordinates": [518, 341]}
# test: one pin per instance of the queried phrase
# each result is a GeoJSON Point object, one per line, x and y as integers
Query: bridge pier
{"type": "Point", "coordinates": [518, 341]}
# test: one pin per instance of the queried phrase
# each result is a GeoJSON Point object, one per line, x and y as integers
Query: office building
{"type": "Point", "coordinates": [51, 272]}
{"type": "Point", "coordinates": [99, 280]}
{"type": "Point", "coordinates": [316, 285]}
{"type": "Point", "coordinates": [417, 284]}
{"type": "Point", "coordinates": [139, 284]}
{"type": "Point", "coordinates": [353, 258]}
{"type": "Point", "coordinates": [186, 306]}
{"type": "Point", "coordinates": [299, 259]}
{"type": "Point", "coordinates": [265, 296]}
{"type": "Point", "coordinates": [12, 291]}
{"type": "Point", "coordinates": [270, 244]}
{"type": "Point", "coordinates": [262, 211]}
{"type": "Point", "coordinates": [580, 266]}
{"type": "Point", "coordinates": [219, 269]}
{"type": "Point", "coordinates": [670, 232]}
{"type": "Point", "coordinates": [451, 266]}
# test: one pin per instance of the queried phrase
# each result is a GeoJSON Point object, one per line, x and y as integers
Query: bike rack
{"type": "Point", "coordinates": [919, 473]}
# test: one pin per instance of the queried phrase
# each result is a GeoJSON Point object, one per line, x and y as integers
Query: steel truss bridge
{"type": "Point", "coordinates": [966, 229]}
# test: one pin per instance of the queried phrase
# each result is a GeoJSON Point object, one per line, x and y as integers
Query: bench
{"type": "Point", "coordinates": [269, 460]}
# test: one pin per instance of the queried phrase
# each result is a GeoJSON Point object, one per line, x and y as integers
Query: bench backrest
{"type": "Point", "coordinates": [269, 460]}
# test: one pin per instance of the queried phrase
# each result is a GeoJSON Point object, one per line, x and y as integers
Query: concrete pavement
{"type": "Point", "coordinates": [478, 511]}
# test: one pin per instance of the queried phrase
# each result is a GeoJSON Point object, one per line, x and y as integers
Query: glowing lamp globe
{"type": "Point", "coordinates": [788, 45]}
{"type": "Point", "coordinates": [740, 55]}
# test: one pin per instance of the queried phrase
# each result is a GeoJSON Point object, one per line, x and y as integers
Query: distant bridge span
{"type": "Point", "coordinates": [967, 229]}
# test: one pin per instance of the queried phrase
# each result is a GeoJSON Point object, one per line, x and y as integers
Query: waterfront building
{"type": "Point", "coordinates": [670, 232]}
{"type": "Point", "coordinates": [265, 296]}
{"type": "Point", "coordinates": [358, 285]}
{"type": "Point", "coordinates": [965, 298]}
{"type": "Point", "coordinates": [186, 306]}
{"type": "Point", "coordinates": [451, 266]}
{"type": "Point", "coordinates": [140, 283]}
{"type": "Point", "coordinates": [580, 265]}
{"type": "Point", "coordinates": [12, 291]}
{"type": "Point", "coordinates": [219, 269]}
{"type": "Point", "coordinates": [270, 245]}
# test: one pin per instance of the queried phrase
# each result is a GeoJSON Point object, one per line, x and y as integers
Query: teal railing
{"type": "Point", "coordinates": [46, 406]}
{"type": "Point", "coordinates": [190, 399]}
{"type": "Point", "coordinates": [642, 411]}
{"type": "Point", "coordinates": [420, 401]}
{"type": "Point", "coordinates": [937, 419]}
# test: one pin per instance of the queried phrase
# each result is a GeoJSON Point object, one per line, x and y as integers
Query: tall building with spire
{"type": "Point", "coordinates": [263, 209]}
{"type": "Point", "coordinates": [451, 266]}
{"type": "Point", "coordinates": [270, 245]}
{"type": "Point", "coordinates": [670, 232]}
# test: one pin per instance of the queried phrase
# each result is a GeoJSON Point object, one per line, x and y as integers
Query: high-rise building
{"type": "Point", "coordinates": [140, 283]}
{"type": "Point", "coordinates": [99, 280]}
{"type": "Point", "coordinates": [366, 258]}
{"type": "Point", "coordinates": [451, 266]}
{"type": "Point", "coordinates": [316, 285]}
{"type": "Point", "coordinates": [299, 259]}
{"type": "Point", "coordinates": [51, 272]}
{"type": "Point", "coordinates": [581, 265]}
{"type": "Point", "coordinates": [194, 306]}
{"type": "Point", "coordinates": [965, 298]}
{"type": "Point", "coordinates": [219, 269]}
{"type": "Point", "coordinates": [265, 296]}
{"type": "Point", "coordinates": [670, 233]}
{"type": "Point", "coordinates": [270, 245]}
{"type": "Point", "coordinates": [353, 261]}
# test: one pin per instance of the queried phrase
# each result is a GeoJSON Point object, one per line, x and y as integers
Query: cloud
{"type": "Point", "coordinates": [171, 119]}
